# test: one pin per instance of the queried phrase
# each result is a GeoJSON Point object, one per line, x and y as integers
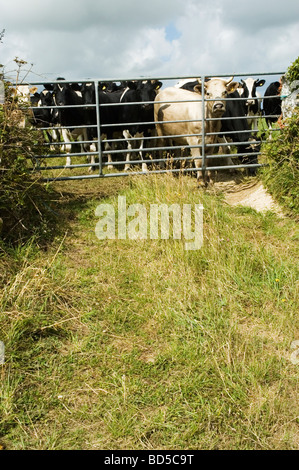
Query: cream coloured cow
{"type": "Point", "coordinates": [22, 93]}
{"type": "Point", "coordinates": [185, 108]}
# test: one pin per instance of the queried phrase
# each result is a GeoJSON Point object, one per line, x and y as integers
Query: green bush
{"type": "Point", "coordinates": [282, 175]}
{"type": "Point", "coordinates": [293, 71]}
{"type": "Point", "coordinates": [24, 209]}
{"type": "Point", "coordinates": [281, 152]}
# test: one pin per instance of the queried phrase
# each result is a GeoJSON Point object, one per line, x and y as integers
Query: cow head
{"type": "Point", "coordinates": [22, 93]}
{"type": "Point", "coordinates": [248, 91]}
{"type": "Point", "coordinates": [215, 91]}
{"type": "Point", "coordinates": [88, 93]}
{"type": "Point", "coordinates": [147, 92]}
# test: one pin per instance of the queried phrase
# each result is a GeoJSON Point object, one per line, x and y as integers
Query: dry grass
{"type": "Point", "coordinates": [121, 344]}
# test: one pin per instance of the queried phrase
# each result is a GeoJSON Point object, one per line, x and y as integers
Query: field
{"type": "Point", "coordinates": [142, 344]}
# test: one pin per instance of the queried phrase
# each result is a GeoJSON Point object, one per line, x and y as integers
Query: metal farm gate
{"type": "Point", "coordinates": [159, 159]}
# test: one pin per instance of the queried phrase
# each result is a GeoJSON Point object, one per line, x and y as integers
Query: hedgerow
{"type": "Point", "coordinates": [24, 199]}
{"type": "Point", "coordinates": [282, 155]}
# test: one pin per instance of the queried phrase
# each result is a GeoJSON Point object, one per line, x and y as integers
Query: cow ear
{"type": "Point", "coordinates": [33, 90]}
{"type": "Point", "coordinates": [132, 85]}
{"type": "Point", "coordinates": [48, 86]}
{"type": "Point", "coordinates": [158, 85]}
{"type": "Point", "coordinates": [75, 87]}
{"type": "Point", "coordinates": [102, 86]}
{"type": "Point", "coordinates": [197, 89]}
{"type": "Point", "coordinates": [232, 86]}
{"type": "Point", "coordinates": [261, 83]}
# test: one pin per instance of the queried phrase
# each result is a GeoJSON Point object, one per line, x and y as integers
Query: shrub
{"type": "Point", "coordinates": [282, 155]}
{"type": "Point", "coordinates": [293, 71]}
{"type": "Point", "coordinates": [23, 197]}
{"type": "Point", "coordinates": [282, 175]}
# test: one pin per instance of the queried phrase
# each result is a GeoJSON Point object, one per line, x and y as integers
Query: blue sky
{"type": "Point", "coordinates": [171, 33]}
{"type": "Point", "coordinates": [82, 39]}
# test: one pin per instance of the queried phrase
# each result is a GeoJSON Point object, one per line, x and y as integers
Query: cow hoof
{"type": "Point", "coordinates": [201, 184]}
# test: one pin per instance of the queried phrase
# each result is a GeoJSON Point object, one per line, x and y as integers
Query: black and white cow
{"type": "Point", "coordinates": [123, 110]}
{"type": "Point", "coordinates": [109, 96]}
{"type": "Point", "coordinates": [141, 114]}
{"type": "Point", "coordinates": [236, 130]}
{"type": "Point", "coordinates": [43, 114]}
{"type": "Point", "coordinates": [42, 108]}
{"type": "Point", "coordinates": [252, 99]}
{"type": "Point", "coordinates": [72, 120]}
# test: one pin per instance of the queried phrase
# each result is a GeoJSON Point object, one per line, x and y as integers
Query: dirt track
{"type": "Point", "coordinates": [255, 196]}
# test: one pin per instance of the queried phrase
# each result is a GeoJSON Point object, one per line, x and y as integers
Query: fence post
{"type": "Point", "coordinates": [96, 86]}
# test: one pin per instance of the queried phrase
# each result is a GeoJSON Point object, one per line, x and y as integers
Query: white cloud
{"type": "Point", "coordinates": [95, 39]}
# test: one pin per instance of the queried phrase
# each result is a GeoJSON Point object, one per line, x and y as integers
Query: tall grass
{"type": "Point", "coordinates": [126, 344]}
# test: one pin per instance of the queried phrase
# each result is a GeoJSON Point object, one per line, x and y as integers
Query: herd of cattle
{"type": "Point", "coordinates": [139, 117]}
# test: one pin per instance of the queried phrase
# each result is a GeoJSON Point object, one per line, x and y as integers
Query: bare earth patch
{"type": "Point", "coordinates": [249, 194]}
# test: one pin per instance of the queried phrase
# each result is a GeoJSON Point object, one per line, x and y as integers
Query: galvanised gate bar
{"type": "Point", "coordinates": [92, 161]}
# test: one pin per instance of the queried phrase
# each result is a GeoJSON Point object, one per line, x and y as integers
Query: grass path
{"type": "Point", "coordinates": [125, 344]}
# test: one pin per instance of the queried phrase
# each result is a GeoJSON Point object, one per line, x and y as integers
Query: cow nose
{"type": "Point", "coordinates": [250, 102]}
{"type": "Point", "coordinates": [219, 106]}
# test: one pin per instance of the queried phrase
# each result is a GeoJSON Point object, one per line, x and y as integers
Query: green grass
{"type": "Point", "coordinates": [123, 344]}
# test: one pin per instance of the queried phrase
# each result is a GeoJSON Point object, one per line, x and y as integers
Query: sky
{"type": "Point", "coordinates": [119, 39]}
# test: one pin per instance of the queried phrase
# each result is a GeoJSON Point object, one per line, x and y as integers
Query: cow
{"type": "Point", "coordinates": [234, 126]}
{"type": "Point", "coordinates": [185, 108]}
{"type": "Point", "coordinates": [42, 113]}
{"type": "Point", "coordinates": [252, 100]}
{"type": "Point", "coordinates": [71, 120]}
{"type": "Point", "coordinates": [235, 129]}
{"type": "Point", "coordinates": [21, 93]}
{"type": "Point", "coordinates": [272, 103]}
{"type": "Point", "coordinates": [142, 114]}
{"type": "Point", "coordinates": [123, 110]}
{"type": "Point", "coordinates": [109, 97]}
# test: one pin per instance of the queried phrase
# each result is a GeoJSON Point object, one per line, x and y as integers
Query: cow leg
{"type": "Point", "coordinates": [93, 148]}
{"type": "Point", "coordinates": [202, 178]}
{"type": "Point", "coordinates": [53, 135]}
{"type": "Point", "coordinates": [108, 147]}
{"type": "Point", "coordinates": [160, 142]}
{"type": "Point", "coordinates": [128, 138]}
{"type": "Point", "coordinates": [66, 136]}
{"type": "Point", "coordinates": [226, 150]}
{"type": "Point", "coordinates": [144, 165]}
